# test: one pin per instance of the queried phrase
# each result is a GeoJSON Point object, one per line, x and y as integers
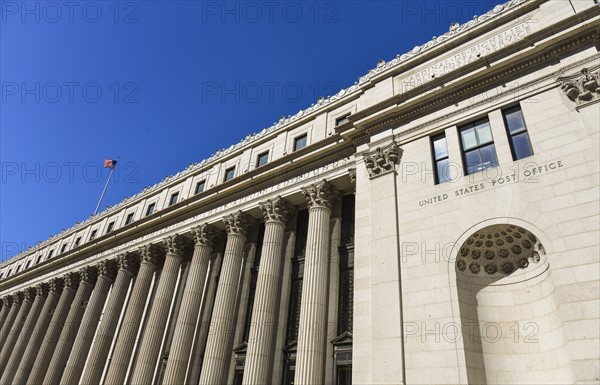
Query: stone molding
{"type": "Point", "coordinates": [322, 194]}
{"type": "Point", "coordinates": [276, 210]}
{"type": "Point", "coordinates": [583, 87]}
{"type": "Point", "coordinates": [382, 160]}
{"type": "Point", "coordinates": [238, 223]}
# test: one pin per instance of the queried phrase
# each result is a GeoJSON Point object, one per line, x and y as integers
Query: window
{"type": "Point", "coordinates": [9, 272]}
{"type": "Point", "coordinates": [28, 264]}
{"type": "Point", "coordinates": [63, 248]}
{"type": "Point", "coordinates": [150, 209]}
{"type": "Point", "coordinates": [93, 235]}
{"type": "Point", "coordinates": [39, 258]}
{"type": "Point", "coordinates": [229, 173]}
{"type": "Point", "coordinates": [518, 137]}
{"type": "Point", "coordinates": [300, 142]}
{"type": "Point", "coordinates": [174, 198]}
{"type": "Point", "coordinates": [18, 268]}
{"type": "Point", "coordinates": [478, 148]}
{"type": "Point", "coordinates": [440, 159]}
{"type": "Point", "coordinates": [262, 159]}
{"type": "Point", "coordinates": [342, 120]}
{"type": "Point", "coordinates": [111, 226]}
{"type": "Point", "coordinates": [129, 218]}
{"type": "Point", "coordinates": [200, 186]}
{"type": "Point", "coordinates": [1, 274]}
{"type": "Point", "coordinates": [50, 254]}
{"type": "Point", "coordinates": [77, 241]}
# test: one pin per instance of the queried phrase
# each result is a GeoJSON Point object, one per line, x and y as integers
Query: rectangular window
{"type": "Point", "coordinates": [478, 148]}
{"type": "Point", "coordinates": [39, 258]}
{"type": "Point", "coordinates": [520, 145]}
{"type": "Point", "coordinates": [440, 158]}
{"type": "Point", "coordinates": [229, 173]}
{"type": "Point", "coordinates": [300, 142]}
{"type": "Point", "coordinates": [77, 241]}
{"type": "Point", "coordinates": [50, 254]}
{"type": "Point", "coordinates": [342, 120]}
{"type": "Point", "coordinates": [150, 209]}
{"type": "Point", "coordinates": [63, 248]}
{"type": "Point", "coordinates": [28, 264]}
{"type": "Point", "coordinates": [111, 227]}
{"type": "Point", "coordinates": [129, 218]}
{"type": "Point", "coordinates": [173, 199]}
{"type": "Point", "coordinates": [18, 268]}
{"type": "Point", "coordinates": [262, 159]}
{"type": "Point", "coordinates": [1, 274]}
{"type": "Point", "coordinates": [200, 186]}
{"type": "Point", "coordinates": [93, 235]}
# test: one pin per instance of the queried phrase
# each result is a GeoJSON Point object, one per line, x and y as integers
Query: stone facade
{"type": "Point", "coordinates": [440, 227]}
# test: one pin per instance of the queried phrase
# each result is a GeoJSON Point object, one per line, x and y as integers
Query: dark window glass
{"type": "Point", "coordinates": [63, 248]}
{"type": "Point", "coordinates": [200, 186]}
{"type": "Point", "coordinates": [39, 258]}
{"type": "Point", "coordinates": [93, 235]}
{"type": "Point", "coordinates": [342, 120]}
{"type": "Point", "coordinates": [520, 145]}
{"type": "Point", "coordinates": [174, 199]}
{"type": "Point", "coordinates": [150, 209]}
{"type": "Point", "coordinates": [1, 274]}
{"type": "Point", "coordinates": [440, 158]}
{"type": "Point", "coordinates": [478, 148]}
{"type": "Point", "coordinates": [28, 264]}
{"type": "Point", "coordinates": [111, 226]}
{"type": "Point", "coordinates": [300, 142]}
{"type": "Point", "coordinates": [77, 241]}
{"type": "Point", "coordinates": [229, 173]}
{"type": "Point", "coordinates": [129, 218]}
{"type": "Point", "coordinates": [18, 268]}
{"type": "Point", "coordinates": [50, 254]}
{"type": "Point", "coordinates": [262, 159]}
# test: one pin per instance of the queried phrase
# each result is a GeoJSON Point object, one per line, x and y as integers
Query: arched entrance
{"type": "Point", "coordinates": [511, 325]}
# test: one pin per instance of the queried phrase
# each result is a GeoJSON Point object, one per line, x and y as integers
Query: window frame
{"type": "Point", "coordinates": [435, 160]}
{"type": "Point", "coordinates": [259, 156]}
{"type": "Point", "coordinates": [111, 227]}
{"type": "Point", "coordinates": [77, 241]}
{"type": "Point", "coordinates": [297, 140]}
{"type": "Point", "coordinates": [63, 248]}
{"type": "Point", "coordinates": [128, 217]}
{"type": "Point", "coordinates": [93, 234]}
{"type": "Point", "coordinates": [150, 209]}
{"type": "Point", "coordinates": [175, 196]}
{"type": "Point", "coordinates": [198, 184]}
{"type": "Point", "coordinates": [342, 119]}
{"type": "Point", "coordinates": [227, 171]}
{"type": "Point", "coordinates": [473, 124]}
{"type": "Point", "coordinates": [511, 136]}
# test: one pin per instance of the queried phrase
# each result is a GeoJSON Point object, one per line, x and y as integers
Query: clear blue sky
{"type": "Point", "coordinates": [162, 84]}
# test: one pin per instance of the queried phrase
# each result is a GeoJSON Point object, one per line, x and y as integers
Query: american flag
{"type": "Point", "coordinates": [110, 163]}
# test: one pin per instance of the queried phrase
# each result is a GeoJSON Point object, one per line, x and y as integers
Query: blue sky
{"type": "Point", "coordinates": [162, 84]}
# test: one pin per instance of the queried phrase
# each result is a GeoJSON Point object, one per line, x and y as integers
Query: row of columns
{"type": "Point", "coordinates": [58, 333]}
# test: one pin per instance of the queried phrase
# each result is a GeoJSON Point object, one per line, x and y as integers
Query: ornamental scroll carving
{"type": "Point", "coordinates": [581, 88]}
{"type": "Point", "coordinates": [382, 160]}
{"type": "Point", "coordinates": [107, 268]}
{"type": "Point", "coordinates": [321, 194]}
{"type": "Point", "coordinates": [41, 289]}
{"type": "Point", "coordinates": [56, 285]}
{"type": "Point", "coordinates": [30, 293]}
{"type": "Point", "coordinates": [276, 210]}
{"type": "Point", "coordinates": [71, 280]}
{"type": "Point", "coordinates": [204, 235]}
{"type": "Point", "coordinates": [88, 274]}
{"type": "Point", "coordinates": [238, 223]}
{"type": "Point", "coordinates": [7, 301]}
{"type": "Point", "coordinates": [151, 253]}
{"type": "Point", "coordinates": [129, 262]}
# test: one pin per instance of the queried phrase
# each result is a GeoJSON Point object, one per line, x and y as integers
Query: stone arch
{"type": "Point", "coordinates": [510, 322]}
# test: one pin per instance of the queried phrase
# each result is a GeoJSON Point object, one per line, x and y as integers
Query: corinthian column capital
{"type": "Point", "coordinates": [7, 301]}
{"type": "Point", "coordinates": [238, 223]}
{"type": "Point", "coordinates": [88, 274]}
{"type": "Point", "coordinates": [204, 235]}
{"type": "Point", "coordinates": [56, 285]}
{"type": "Point", "coordinates": [151, 253]}
{"type": "Point", "coordinates": [41, 289]}
{"type": "Point", "coordinates": [321, 194]}
{"type": "Point", "coordinates": [383, 159]}
{"type": "Point", "coordinates": [30, 294]}
{"type": "Point", "coordinates": [71, 280]}
{"type": "Point", "coordinates": [129, 262]}
{"type": "Point", "coordinates": [17, 297]}
{"type": "Point", "coordinates": [107, 268]}
{"type": "Point", "coordinates": [276, 210]}
{"type": "Point", "coordinates": [175, 244]}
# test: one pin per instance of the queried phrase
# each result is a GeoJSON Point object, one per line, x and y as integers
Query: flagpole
{"type": "Point", "coordinates": [103, 191]}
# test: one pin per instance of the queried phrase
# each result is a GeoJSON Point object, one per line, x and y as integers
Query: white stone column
{"type": "Point", "coordinates": [15, 331]}
{"type": "Point", "coordinates": [51, 335]}
{"type": "Point", "coordinates": [16, 356]}
{"type": "Point", "coordinates": [313, 309]}
{"type": "Point", "coordinates": [128, 264]}
{"type": "Point", "coordinates": [218, 347]}
{"type": "Point", "coordinates": [144, 369]}
{"type": "Point", "coordinates": [16, 300]}
{"type": "Point", "coordinates": [5, 309]}
{"type": "Point", "coordinates": [259, 356]}
{"type": "Point", "coordinates": [117, 370]}
{"type": "Point", "coordinates": [107, 271]}
{"type": "Point", "coordinates": [87, 276]}
{"type": "Point", "coordinates": [26, 363]}
{"type": "Point", "coordinates": [181, 347]}
{"type": "Point", "coordinates": [204, 322]}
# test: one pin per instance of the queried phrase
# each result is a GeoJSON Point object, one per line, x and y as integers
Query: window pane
{"type": "Point", "coordinates": [521, 146]}
{"type": "Point", "coordinates": [229, 174]}
{"type": "Point", "coordinates": [300, 142]}
{"type": "Point", "coordinates": [514, 120]}
{"type": "Point", "coordinates": [443, 171]}
{"type": "Point", "coordinates": [484, 133]}
{"type": "Point", "coordinates": [200, 187]}
{"type": "Point", "coordinates": [468, 138]}
{"type": "Point", "coordinates": [488, 156]}
{"type": "Point", "coordinates": [439, 148]}
{"type": "Point", "coordinates": [262, 159]}
{"type": "Point", "coordinates": [473, 161]}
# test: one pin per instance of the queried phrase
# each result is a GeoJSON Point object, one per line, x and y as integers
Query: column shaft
{"type": "Point", "coordinates": [222, 326]}
{"type": "Point", "coordinates": [89, 323]}
{"type": "Point", "coordinates": [15, 330]}
{"type": "Point", "coordinates": [181, 347]}
{"type": "Point", "coordinates": [68, 334]}
{"type": "Point", "coordinates": [6, 305]}
{"type": "Point", "coordinates": [24, 368]}
{"type": "Point", "coordinates": [259, 356]}
{"type": "Point", "coordinates": [119, 363]}
{"type": "Point", "coordinates": [107, 328]}
{"type": "Point", "coordinates": [23, 337]}
{"type": "Point", "coordinates": [313, 306]}
{"type": "Point", "coordinates": [144, 369]}
{"type": "Point", "coordinates": [50, 340]}
{"type": "Point", "coordinates": [8, 323]}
